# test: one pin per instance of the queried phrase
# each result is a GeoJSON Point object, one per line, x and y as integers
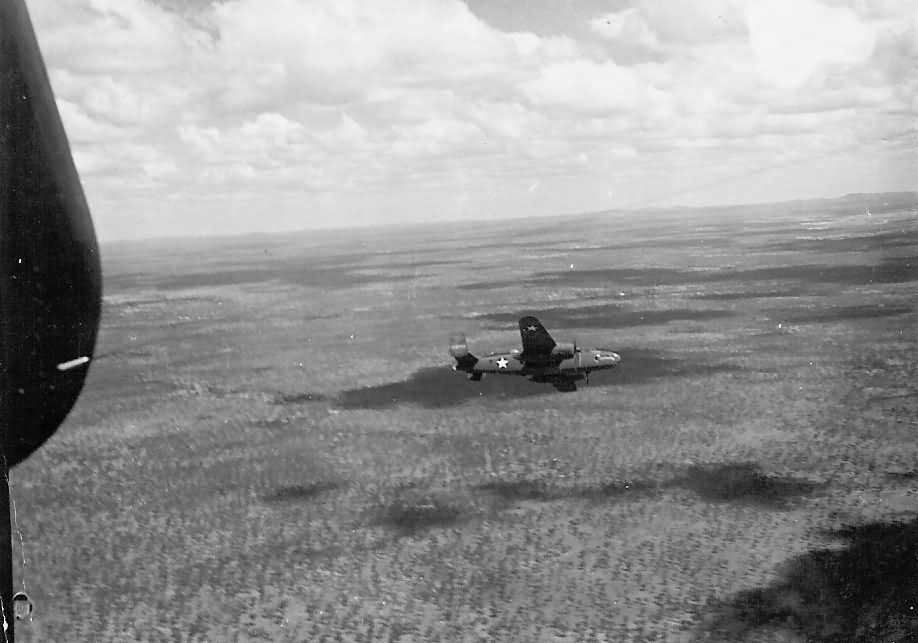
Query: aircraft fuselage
{"type": "Point", "coordinates": [583, 362]}
{"type": "Point", "coordinates": [541, 358]}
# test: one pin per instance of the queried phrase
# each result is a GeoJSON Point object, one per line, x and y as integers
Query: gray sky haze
{"type": "Point", "coordinates": [192, 117]}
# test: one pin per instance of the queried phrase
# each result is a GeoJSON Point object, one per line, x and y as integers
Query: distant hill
{"type": "Point", "coordinates": [899, 200]}
{"type": "Point", "coordinates": [852, 203]}
{"type": "Point", "coordinates": [903, 196]}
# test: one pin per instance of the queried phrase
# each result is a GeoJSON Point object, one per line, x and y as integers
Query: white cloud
{"type": "Point", "coordinates": [348, 134]}
{"type": "Point", "coordinates": [140, 164]}
{"type": "Point", "coordinates": [694, 22]}
{"type": "Point", "coordinates": [506, 120]}
{"type": "Point", "coordinates": [84, 129]}
{"type": "Point", "coordinates": [338, 52]}
{"type": "Point", "coordinates": [587, 86]}
{"type": "Point", "coordinates": [627, 26]}
{"type": "Point", "coordinates": [438, 137]}
{"type": "Point", "coordinates": [795, 39]}
{"type": "Point", "coordinates": [324, 102]}
{"type": "Point", "coordinates": [103, 36]}
{"type": "Point", "coordinates": [268, 141]}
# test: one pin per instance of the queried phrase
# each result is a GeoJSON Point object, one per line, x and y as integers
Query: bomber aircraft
{"type": "Point", "coordinates": [542, 359]}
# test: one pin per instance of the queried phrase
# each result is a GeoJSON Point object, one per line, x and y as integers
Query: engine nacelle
{"type": "Point", "coordinates": [564, 350]}
{"type": "Point", "coordinates": [458, 347]}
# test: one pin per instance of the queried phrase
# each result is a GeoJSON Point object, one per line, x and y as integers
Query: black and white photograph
{"type": "Point", "coordinates": [459, 320]}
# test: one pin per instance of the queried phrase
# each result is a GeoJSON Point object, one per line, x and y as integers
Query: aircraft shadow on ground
{"type": "Point", "coordinates": [439, 387]}
{"type": "Point", "coordinates": [865, 591]}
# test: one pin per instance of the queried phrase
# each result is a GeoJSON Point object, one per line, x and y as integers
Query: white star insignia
{"type": "Point", "coordinates": [531, 328]}
{"type": "Point", "coordinates": [502, 363]}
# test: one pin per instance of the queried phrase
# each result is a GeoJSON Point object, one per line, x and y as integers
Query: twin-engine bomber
{"type": "Point", "coordinates": [542, 359]}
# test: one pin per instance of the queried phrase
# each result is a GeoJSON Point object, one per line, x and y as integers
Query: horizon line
{"type": "Point", "coordinates": [458, 221]}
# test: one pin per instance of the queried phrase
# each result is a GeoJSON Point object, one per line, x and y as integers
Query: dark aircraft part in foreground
{"type": "Point", "coordinates": [50, 278]}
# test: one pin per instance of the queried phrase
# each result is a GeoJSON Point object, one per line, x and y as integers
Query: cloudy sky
{"type": "Point", "coordinates": [204, 117]}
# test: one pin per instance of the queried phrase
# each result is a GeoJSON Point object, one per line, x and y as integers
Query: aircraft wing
{"type": "Point", "coordinates": [536, 340]}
